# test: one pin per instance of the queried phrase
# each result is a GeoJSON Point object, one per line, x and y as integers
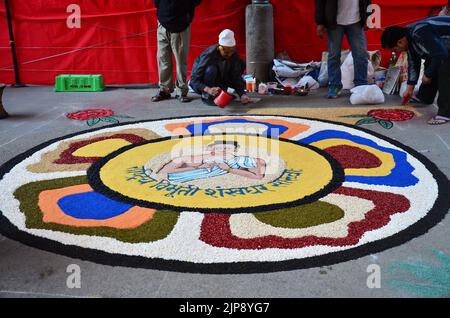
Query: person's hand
{"type": "Point", "coordinates": [209, 165]}
{"type": "Point", "coordinates": [408, 94]}
{"type": "Point", "coordinates": [321, 29]}
{"type": "Point", "coordinates": [214, 91]}
{"type": "Point", "coordinates": [245, 99]}
{"type": "Point", "coordinates": [426, 80]}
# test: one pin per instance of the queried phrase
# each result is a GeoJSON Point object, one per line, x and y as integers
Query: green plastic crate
{"type": "Point", "coordinates": [79, 83]}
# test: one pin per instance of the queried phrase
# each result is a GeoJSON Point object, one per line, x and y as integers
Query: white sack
{"type": "Point", "coordinates": [367, 95]}
{"type": "Point", "coordinates": [312, 83]}
{"type": "Point", "coordinates": [348, 72]}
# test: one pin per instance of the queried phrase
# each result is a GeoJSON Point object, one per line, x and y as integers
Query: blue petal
{"type": "Point", "coordinates": [273, 131]}
{"type": "Point", "coordinates": [92, 206]}
{"type": "Point", "coordinates": [400, 176]}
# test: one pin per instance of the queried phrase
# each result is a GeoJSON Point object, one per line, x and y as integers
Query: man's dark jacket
{"type": "Point", "coordinates": [429, 39]}
{"type": "Point", "coordinates": [230, 71]}
{"type": "Point", "coordinates": [327, 11]}
{"type": "Point", "coordinates": [176, 15]}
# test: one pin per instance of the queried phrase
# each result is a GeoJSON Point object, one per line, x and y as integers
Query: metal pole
{"type": "Point", "coordinates": [13, 45]}
{"type": "Point", "coordinates": [259, 38]}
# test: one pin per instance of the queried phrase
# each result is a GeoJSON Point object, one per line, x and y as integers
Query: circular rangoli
{"type": "Point", "coordinates": [212, 194]}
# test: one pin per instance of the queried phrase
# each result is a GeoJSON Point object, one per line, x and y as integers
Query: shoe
{"type": "Point", "coordinates": [161, 96]}
{"type": "Point", "coordinates": [208, 100]}
{"type": "Point", "coordinates": [183, 98]}
{"type": "Point", "coordinates": [334, 92]}
{"type": "Point", "coordinates": [3, 113]}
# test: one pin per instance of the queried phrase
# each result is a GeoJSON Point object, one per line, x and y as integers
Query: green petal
{"type": "Point", "coordinates": [110, 120]}
{"type": "Point", "coordinates": [366, 121]}
{"type": "Point", "coordinates": [93, 121]}
{"type": "Point", "coordinates": [386, 124]}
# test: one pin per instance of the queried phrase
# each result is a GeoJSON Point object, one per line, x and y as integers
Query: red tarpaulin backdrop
{"type": "Point", "coordinates": [118, 38]}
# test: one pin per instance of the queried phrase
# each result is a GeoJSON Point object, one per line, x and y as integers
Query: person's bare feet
{"type": "Point", "coordinates": [438, 120]}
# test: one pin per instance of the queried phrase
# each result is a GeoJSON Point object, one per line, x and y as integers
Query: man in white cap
{"type": "Point", "coordinates": [218, 68]}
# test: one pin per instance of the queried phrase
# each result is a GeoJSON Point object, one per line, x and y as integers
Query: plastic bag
{"type": "Point", "coordinates": [312, 83]}
{"type": "Point", "coordinates": [367, 95]}
{"type": "Point", "coordinates": [323, 75]}
{"type": "Point", "coordinates": [348, 72]}
{"type": "Point", "coordinates": [323, 78]}
{"type": "Point", "coordinates": [282, 70]}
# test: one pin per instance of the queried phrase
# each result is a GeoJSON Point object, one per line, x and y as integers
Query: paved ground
{"type": "Point", "coordinates": [38, 115]}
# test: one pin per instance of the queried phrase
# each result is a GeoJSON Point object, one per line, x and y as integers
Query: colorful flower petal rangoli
{"type": "Point", "coordinates": [95, 116]}
{"type": "Point", "coordinates": [212, 194]}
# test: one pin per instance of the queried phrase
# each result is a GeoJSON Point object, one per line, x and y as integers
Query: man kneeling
{"type": "Point", "coordinates": [218, 68]}
{"type": "Point", "coordinates": [428, 40]}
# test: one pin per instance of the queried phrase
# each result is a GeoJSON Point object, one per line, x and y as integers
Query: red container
{"type": "Point", "coordinates": [223, 99]}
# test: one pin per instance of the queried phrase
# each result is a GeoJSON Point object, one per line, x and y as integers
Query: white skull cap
{"type": "Point", "coordinates": [226, 38]}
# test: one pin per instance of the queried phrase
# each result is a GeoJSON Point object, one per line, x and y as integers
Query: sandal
{"type": "Point", "coordinates": [184, 99]}
{"type": "Point", "coordinates": [3, 113]}
{"type": "Point", "coordinates": [161, 96]}
{"type": "Point", "coordinates": [438, 120]}
{"type": "Point", "coordinates": [208, 100]}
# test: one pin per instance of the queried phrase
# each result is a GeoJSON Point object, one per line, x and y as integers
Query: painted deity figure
{"type": "Point", "coordinates": [220, 158]}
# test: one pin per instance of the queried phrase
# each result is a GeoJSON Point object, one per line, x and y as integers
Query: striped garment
{"type": "Point", "coordinates": [429, 40]}
{"type": "Point", "coordinates": [197, 174]}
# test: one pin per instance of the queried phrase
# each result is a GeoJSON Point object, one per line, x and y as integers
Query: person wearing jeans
{"type": "Point", "coordinates": [339, 18]}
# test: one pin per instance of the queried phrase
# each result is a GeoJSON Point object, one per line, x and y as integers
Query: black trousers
{"type": "Point", "coordinates": [441, 84]}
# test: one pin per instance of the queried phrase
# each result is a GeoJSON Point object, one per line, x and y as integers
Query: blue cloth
{"type": "Point", "coordinates": [429, 40]}
{"type": "Point", "coordinates": [197, 174]}
{"type": "Point", "coordinates": [357, 39]}
{"type": "Point", "coordinates": [314, 74]}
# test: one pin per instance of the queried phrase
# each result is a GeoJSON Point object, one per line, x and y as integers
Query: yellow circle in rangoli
{"type": "Point", "coordinates": [307, 173]}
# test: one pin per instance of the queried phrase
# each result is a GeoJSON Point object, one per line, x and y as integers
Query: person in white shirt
{"type": "Point", "coordinates": [338, 18]}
